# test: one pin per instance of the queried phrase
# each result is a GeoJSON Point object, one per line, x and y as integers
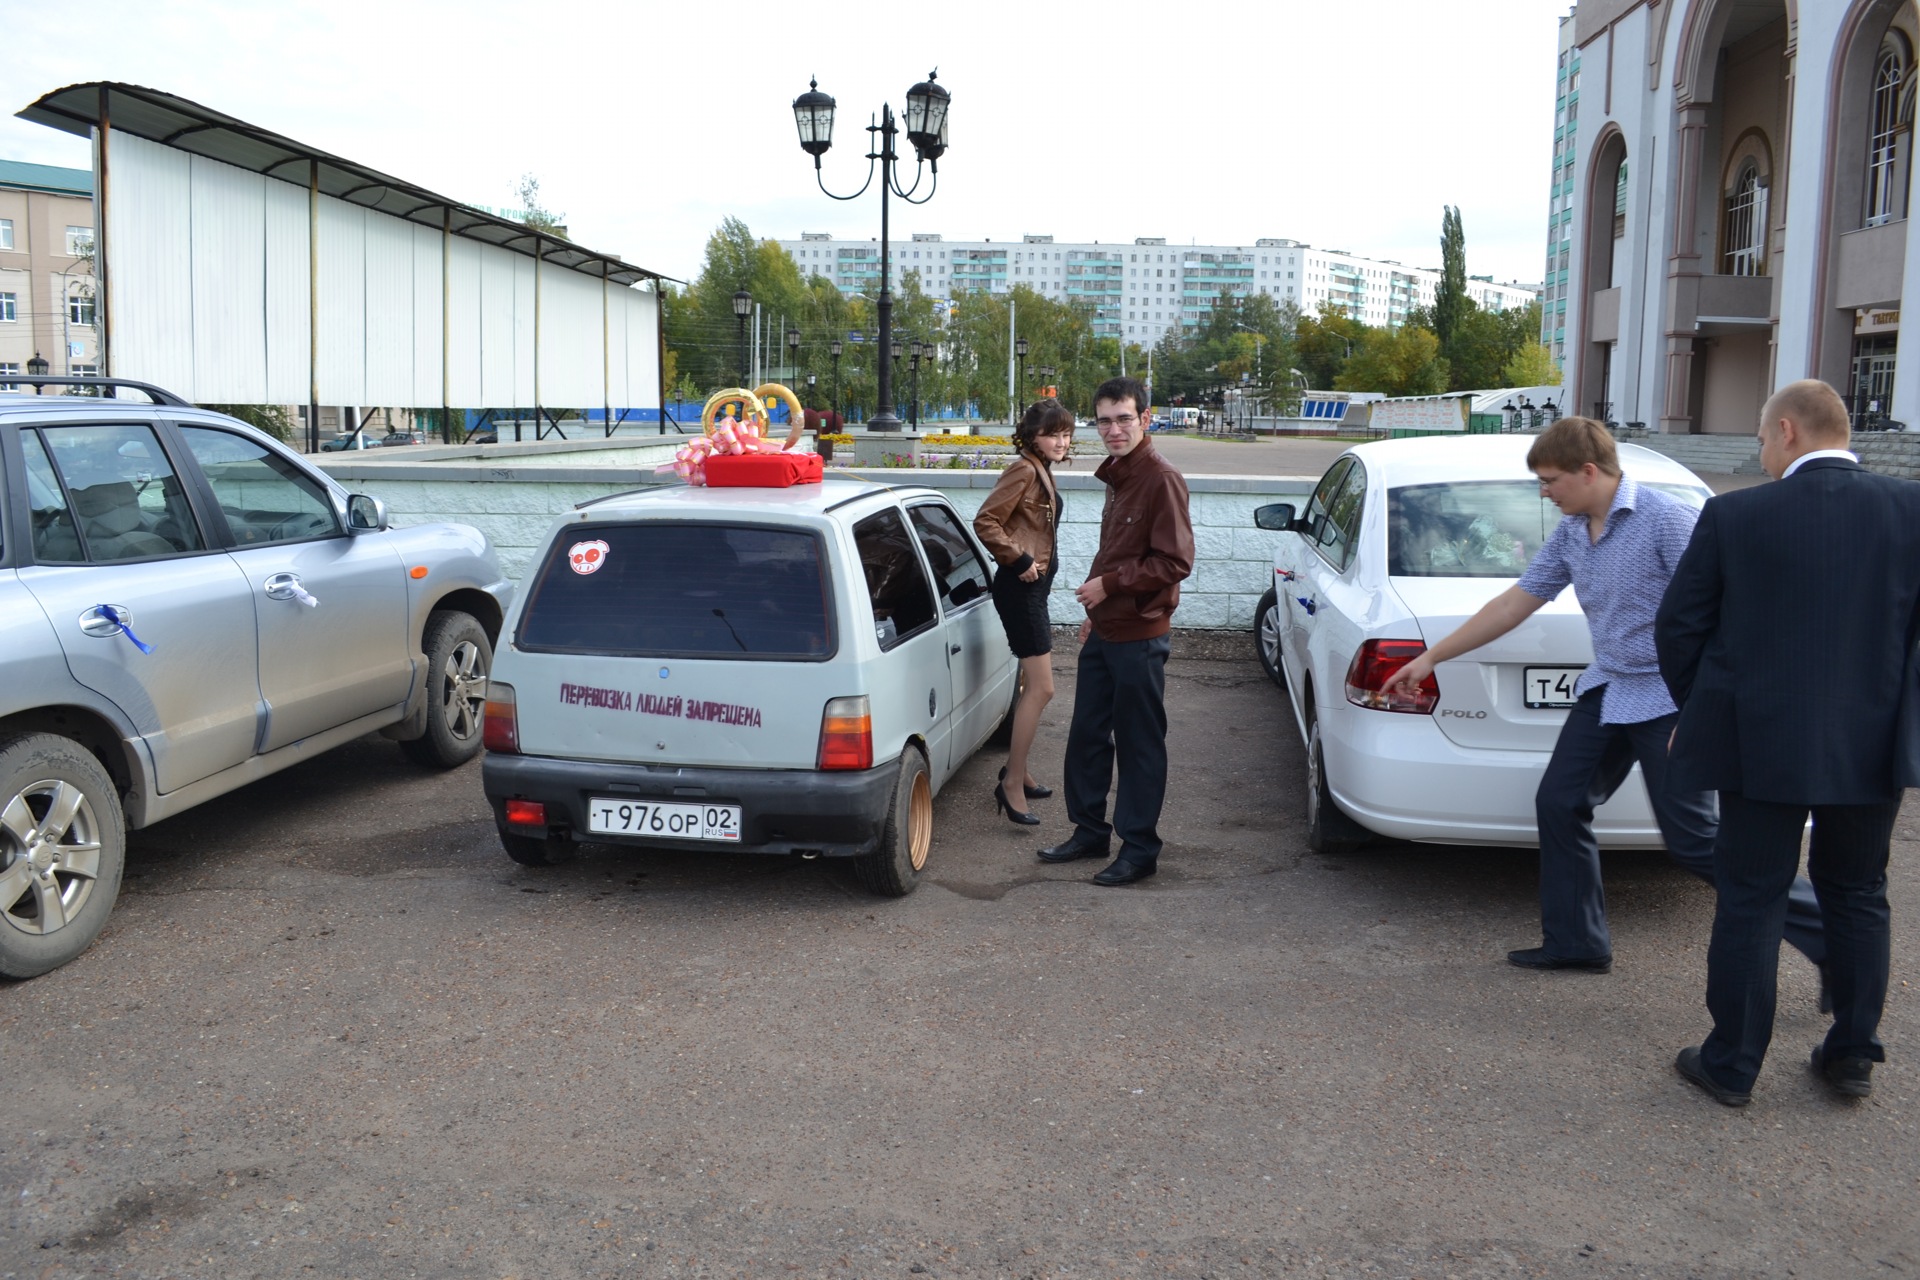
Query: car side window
{"type": "Point", "coordinates": [958, 572]}
{"type": "Point", "coordinates": [54, 539]}
{"type": "Point", "coordinates": [896, 584]}
{"type": "Point", "coordinates": [1343, 518]}
{"type": "Point", "coordinates": [265, 497]}
{"type": "Point", "coordinates": [1317, 524]}
{"type": "Point", "coordinates": [117, 495]}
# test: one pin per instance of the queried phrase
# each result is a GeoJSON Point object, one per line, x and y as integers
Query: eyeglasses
{"type": "Point", "coordinates": [1123, 422]}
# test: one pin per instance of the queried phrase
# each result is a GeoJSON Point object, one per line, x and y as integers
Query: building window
{"type": "Point", "coordinates": [80, 309]}
{"type": "Point", "coordinates": [79, 242]}
{"type": "Point", "coordinates": [6, 369]}
{"type": "Point", "coordinates": [1620, 201]}
{"type": "Point", "coordinates": [9, 309]}
{"type": "Point", "coordinates": [1743, 235]}
{"type": "Point", "coordinates": [1888, 139]}
{"type": "Point", "coordinates": [6, 233]}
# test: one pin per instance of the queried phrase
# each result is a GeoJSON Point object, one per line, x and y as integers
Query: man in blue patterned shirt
{"type": "Point", "coordinates": [1617, 546]}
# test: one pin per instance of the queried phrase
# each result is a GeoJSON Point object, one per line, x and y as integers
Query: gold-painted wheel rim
{"type": "Point", "coordinates": [920, 822]}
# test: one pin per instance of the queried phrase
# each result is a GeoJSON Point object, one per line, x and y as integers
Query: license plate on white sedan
{"type": "Point", "coordinates": [609, 817]}
{"type": "Point", "coordinates": [1551, 686]}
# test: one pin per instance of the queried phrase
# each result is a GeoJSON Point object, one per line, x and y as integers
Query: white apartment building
{"type": "Point", "coordinates": [1566, 130]}
{"type": "Point", "coordinates": [1141, 291]}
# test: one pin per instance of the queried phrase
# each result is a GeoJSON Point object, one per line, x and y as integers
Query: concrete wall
{"type": "Point", "coordinates": [1735, 383]}
{"type": "Point", "coordinates": [516, 504]}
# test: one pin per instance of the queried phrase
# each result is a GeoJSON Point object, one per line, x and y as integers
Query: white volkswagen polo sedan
{"type": "Point", "coordinates": [1401, 542]}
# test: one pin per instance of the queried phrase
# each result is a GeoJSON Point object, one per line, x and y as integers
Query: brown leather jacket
{"type": "Point", "coordinates": [1016, 520]}
{"type": "Point", "coordinates": [1146, 545]}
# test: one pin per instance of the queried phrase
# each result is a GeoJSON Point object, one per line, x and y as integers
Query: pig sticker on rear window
{"type": "Point", "coordinates": [587, 557]}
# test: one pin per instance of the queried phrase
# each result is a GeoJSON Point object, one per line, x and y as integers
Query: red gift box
{"type": "Point", "coordinates": [763, 470]}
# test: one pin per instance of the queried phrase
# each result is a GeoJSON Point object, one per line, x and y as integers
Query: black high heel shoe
{"type": "Point", "coordinates": [1033, 793]}
{"type": "Point", "coordinates": [1013, 814]}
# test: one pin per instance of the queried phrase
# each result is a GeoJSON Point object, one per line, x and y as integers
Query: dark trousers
{"type": "Point", "coordinates": [1754, 863]}
{"type": "Point", "coordinates": [1119, 714]}
{"type": "Point", "coordinates": [1589, 763]}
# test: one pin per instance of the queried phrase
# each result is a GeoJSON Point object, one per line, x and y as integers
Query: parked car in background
{"type": "Point", "coordinates": [348, 440]}
{"type": "Point", "coordinates": [1400, 543]}
{"type": "Point", "coordinates": [787, 671]}
{"type": "Point", "coordinates": [186, 606]}
{"type": "Point", "coordinates": [393, 438]}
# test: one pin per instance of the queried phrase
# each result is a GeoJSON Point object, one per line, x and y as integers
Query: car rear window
{"type": "Point", "coordinates": [674, 589]}
{"type": "Point", "coordinates": [1477, 528]}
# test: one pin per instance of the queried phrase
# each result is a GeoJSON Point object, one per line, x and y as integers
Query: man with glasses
{"type": "Point", "coordinates": [1618, 545]}
{"type": "Point", "coordinates": [1119, 699]}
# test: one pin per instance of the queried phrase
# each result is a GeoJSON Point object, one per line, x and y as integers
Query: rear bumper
{"type": "Point", "coordinates": [782, 811]}
{"type": "Point", "coordinates": [1399, 776]}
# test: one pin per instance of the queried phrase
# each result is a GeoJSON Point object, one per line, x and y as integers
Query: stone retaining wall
{"type": "Point", "coordinates": [515, 505]}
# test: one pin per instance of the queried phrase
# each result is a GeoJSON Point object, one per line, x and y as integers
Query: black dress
{"type": "Point", "coordinates": [1023, 605]}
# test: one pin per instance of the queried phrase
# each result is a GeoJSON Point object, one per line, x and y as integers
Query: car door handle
{"type": "Point", "coordinates": [105, 621]}
{"type": "Point", "coordinates": [286, 586]}
{"type": "Point", "coordinates": [1306, 602]}
{"type": "Point", "coordinates": [953, 648]}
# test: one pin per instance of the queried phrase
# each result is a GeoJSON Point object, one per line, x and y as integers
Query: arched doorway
{"type": "Point", "coordinates": [1604, 263]}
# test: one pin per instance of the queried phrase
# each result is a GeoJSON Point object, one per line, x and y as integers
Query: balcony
{"type": "Point", "coordinates": [1870, 266]}
{"type": "Point", "coordinates": [1735, 299]}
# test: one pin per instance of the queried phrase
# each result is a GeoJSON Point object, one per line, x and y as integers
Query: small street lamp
{"type": "Point", "coordinates": [926, 129]}
{"type": "Point", "coordinates": [1020, 352]}
{"type": "Point", "coordinates": [913, 366]}
{"type": "Point", "coordinates": [834, 349]}
{"type": "Point", "coordinates": [793, 351]}
{"type": "Point", "coordinates": [742, 308]}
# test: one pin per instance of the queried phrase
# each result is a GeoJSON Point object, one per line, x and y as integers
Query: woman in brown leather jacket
{"type": "Point", "coordinates": [1019, 522]}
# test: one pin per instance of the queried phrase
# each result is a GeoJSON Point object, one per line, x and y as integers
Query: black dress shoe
{"type": "Point", "coordinates": [1033, 793]}
{"type": "Point", "coordinates": [1017, 816]}
{"type": "Point", "coordinates": [1852, 1077]}
{"type": "Point", "coordinates": [1690, 1067]}
{"type": "Point", "coordinates": [1120, 871]}
{"type": "Point", "coordinates": [1071, 850]}
{"type": "Point", "coordinates": [1537, 958]}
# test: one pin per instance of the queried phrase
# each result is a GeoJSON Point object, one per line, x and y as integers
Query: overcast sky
{"type": "Point", "coordinates": [1343, 125]}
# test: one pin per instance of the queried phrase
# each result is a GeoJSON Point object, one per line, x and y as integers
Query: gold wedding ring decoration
{"type": "Point", "coordinates": [743, 405]}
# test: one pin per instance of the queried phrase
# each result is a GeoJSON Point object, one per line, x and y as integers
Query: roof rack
{"type": "Point", "coordinates": [156, 394]}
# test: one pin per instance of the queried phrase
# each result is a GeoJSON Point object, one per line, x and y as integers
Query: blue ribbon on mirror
{"type": "Point", "coordinates": [112, 615]}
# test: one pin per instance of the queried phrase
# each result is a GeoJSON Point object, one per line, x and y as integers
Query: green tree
{"type": "Point", "coordinates": [533, 213]}
{"type": "Point", "coordinates": [1450, 301]}
{"type": "Point", "coordinates": [1324, 342]}
{"type": "Point", "coordinates": [1397, 362]}
{"type": "Point", "coordinates": [1531, 366]}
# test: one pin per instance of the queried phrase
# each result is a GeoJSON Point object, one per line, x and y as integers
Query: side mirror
{"type": "Point", "coordinates": [365, 514]}
{"type": "Point", "coordinates": [1277, 516]}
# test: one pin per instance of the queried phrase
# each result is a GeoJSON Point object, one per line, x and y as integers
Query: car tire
{"type": "Point", "coordinates": [1267, 621]}
{"type": "Point", "coordinates": [80, 876]}
{"type": "Point", "coordinates": [459, 656]}
{"type": "Point", "coordinates": [538, 851]}
{"type": "Point", "coordinates": [894, 869]}
{"type": "Point", "coordinates": [1328, 829]}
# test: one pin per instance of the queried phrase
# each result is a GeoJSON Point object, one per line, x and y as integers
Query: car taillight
{"type": "Point", "coordinates": [526, 813]}
{"type": "Point", "coordinates": [846, 734]}
{"type": "Point", "coordinates": [500, 729]}
{"type": "Point", "coordinates": [1376, 663]}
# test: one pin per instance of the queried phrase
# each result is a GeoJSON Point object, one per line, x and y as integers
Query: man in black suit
{"type": "Point", "coordinates": [1788, 640]}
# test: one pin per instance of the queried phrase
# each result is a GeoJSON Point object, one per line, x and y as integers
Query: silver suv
{"type": "Point", "coordinates": [187, 606]}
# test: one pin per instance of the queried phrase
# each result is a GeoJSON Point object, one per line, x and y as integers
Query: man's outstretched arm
{"type": "Point", "coordinates": [1496, 617]}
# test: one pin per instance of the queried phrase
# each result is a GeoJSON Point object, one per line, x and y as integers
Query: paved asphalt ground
{"type": "Point", "coordinates": [332, 1031]}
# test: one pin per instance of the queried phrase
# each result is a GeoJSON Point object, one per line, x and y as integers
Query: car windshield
{"type": "Point", "coordinates": [672, 589]}
{"type": "Point", "coordinates": [1477, 528]}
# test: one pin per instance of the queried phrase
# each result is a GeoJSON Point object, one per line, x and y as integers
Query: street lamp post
{"type": "Point", "coordinates": [742, 308]}
{"type": "Point", "coordinates": [1020, 349]}
{"type": "Point", "coordinates": [37, 368]}
{"type": "Point", "coordinates": [833, 349]}
{"type": "Point", "coordinates": [926, 129]}
{"type": "Point", "coordinates": [793, 351]}
{"type": "Point", "coordinates": [913, 367]}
